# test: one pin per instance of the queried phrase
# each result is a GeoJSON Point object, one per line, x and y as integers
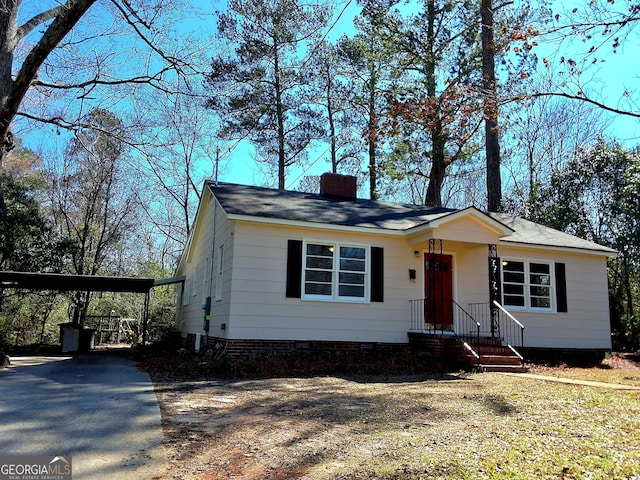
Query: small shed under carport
{"type": "Point", "coordinates": [60, 282]}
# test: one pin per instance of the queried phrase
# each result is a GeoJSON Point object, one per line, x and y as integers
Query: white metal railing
{"type": "Point", "coordinates": [498, 323]}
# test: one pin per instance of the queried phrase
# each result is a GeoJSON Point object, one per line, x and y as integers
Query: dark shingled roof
{"type": "Point", "coordinates": [251, 201]}
{"type": "Point", "coordinates": [528, 232]}
{"type": "Point", "coordinates": [307, 207]}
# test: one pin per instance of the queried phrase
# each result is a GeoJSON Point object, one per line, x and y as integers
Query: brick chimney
{"type": "Point", "coordinates": [338, 186]}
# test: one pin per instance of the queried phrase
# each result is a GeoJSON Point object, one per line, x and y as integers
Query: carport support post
{"type": "Point", "coordinates": [145, 319]}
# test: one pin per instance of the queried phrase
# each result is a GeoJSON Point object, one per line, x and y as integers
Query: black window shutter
{"type": "Point", "coordinates": [294, 269]}
{"type": "Point", "coordinates": [561, 288]}
{"type": "Point", "coordinates": [377, 274]}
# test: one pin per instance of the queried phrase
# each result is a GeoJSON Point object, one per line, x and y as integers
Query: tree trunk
{"type": "Point", "coordinates": [61, 25]}
{"type": "Point", "coordinates": [628, 286]}
{"type": "Point", "coordinates": [372, 135]}
{"type": "Point", "coordinates": [80, 306]}
{"type": "Point", "coordinates": [492, 143]}
{"type": "Point", "coordinates": [8, 29]}
{"type": "Point", "coordinates": [279, 119]}
{"type": "Point", "coordinates": [7, 46]}
{"type": "Point", "coordinates": [332, 130]}
{"type": "Point", "coordinates": [438, 171]}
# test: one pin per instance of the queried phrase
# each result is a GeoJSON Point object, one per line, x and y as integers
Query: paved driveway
{"type": "Point", "coordinates": [98, 408]}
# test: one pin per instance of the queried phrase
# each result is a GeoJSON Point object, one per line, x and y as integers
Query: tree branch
{"type": "Point", "coordinates": [177, 64]}
{"type": "Point", "coordinates": [39, 19]}
{"type": "Point", "coordinates": [581, 98]}
{"type": "Point", "coordinates": [148, 79]}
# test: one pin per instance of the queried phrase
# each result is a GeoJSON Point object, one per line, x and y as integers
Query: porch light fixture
{"type": "Point", "coordinates": [416, 253]}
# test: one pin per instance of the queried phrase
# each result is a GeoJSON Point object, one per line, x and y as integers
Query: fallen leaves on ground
{"type": "Point", "coordinates": [449, 426]}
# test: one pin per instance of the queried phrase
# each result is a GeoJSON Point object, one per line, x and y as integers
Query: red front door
{"type": "Point", "coordinates": [438, 290]}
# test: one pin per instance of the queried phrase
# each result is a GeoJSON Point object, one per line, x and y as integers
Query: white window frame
{"type": "Point", "coordinates": [528, 284]}
{"type": "Point", "coordinates": [335, 272]}
{"type": "Point", "coordinates": [219, 272]}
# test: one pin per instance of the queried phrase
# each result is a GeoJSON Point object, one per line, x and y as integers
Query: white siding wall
{"type": "Point", "coordinates": [191, 319]}
{"type": "Point", "coordinates": [466, 227]}
{"type": "Point", "coordinates": [586, 324]}
{"type": "Point", "coordinates": [220, 307]}
{"type": "Point", "coordinates": [260, 309]}
{"type": "Point", "coordinates": [254, 305]}
{"type": "Point", "coordinates": [470, 272]}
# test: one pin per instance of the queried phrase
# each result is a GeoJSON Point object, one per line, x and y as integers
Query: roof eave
{"type": "Point", "coordinates": [316, 225]}
{"type": "Point", "coordinates": [604, 252]}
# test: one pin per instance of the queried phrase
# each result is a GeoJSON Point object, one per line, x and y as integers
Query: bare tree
{"type": "Point", "coordinates": [547, 134]}
{"type": "Point", "coordinates": [172, 165]}
{"type": "Point", "coordinates": [91, 206]}
{"type": "Point", "coordinates": [13, 91]}
{"type": "Point", "coordinates": [89, 44]}
{"type": "Point", "coordinates": [332, 87]}
{"type": "Point", "coordinates": [587, 36]}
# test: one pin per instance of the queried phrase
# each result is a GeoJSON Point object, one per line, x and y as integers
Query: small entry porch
{"type": "Point", "coordinates": [458, 268]}
{"type": "Point", "coordinates": [483, 336]}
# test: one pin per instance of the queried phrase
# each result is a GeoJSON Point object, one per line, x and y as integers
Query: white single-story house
{"type": "Point", "coordinates": [268, 269]}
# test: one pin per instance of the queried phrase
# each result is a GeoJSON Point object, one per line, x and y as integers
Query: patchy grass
{"type": "Point", "coordinates": [449, 426]}
{"type": "Point", "coordinates": [622, 369]}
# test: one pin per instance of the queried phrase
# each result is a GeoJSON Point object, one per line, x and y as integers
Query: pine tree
{"type": "Point", "coordinates": [259, 88]}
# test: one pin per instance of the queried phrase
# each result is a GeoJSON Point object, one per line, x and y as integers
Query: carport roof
{"type": "Point", "coordinates": [64, 282]}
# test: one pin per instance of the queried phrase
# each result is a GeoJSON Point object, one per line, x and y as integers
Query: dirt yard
{"type": "Point", "coordinates": [447, 426]}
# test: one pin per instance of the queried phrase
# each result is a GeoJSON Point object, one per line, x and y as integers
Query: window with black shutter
{"type": "Point", "coordinates": [534, 285]}
{"type": "Point", "coordinates": [318, 270]}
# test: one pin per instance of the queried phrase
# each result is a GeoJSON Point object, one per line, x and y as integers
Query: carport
{"type": "Point", "coordinates": [59, 282]}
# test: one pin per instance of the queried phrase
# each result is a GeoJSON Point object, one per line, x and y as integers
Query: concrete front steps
{"type": "Point", "coordinates": [494, 357]}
